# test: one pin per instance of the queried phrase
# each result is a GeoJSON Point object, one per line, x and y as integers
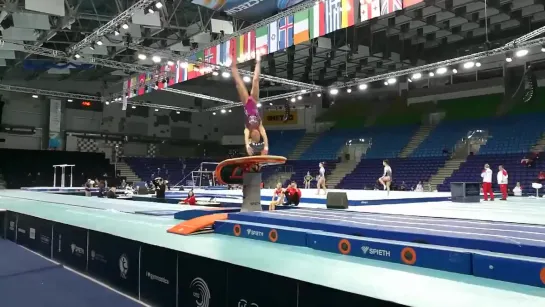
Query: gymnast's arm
{"type": "Point", "coordinates": [263, 133]}
{"type": "Point", "coordinates": [255, 82]}
{"type": "Point", "coordinates": [241, 88]}
{"type": "Point", "coordinates": [247, 141]}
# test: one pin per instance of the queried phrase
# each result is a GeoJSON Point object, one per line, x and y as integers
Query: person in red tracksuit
{"type": "Point", "coordinates": [293, 195]}
{"type": "Point", "coordinates": [502, 181]}
{"type": "Point", "coordinates": [190, 200]}
{"type": "Point", "coordinates": [487, 182]}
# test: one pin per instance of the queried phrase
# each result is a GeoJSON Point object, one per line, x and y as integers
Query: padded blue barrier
{"type": "Point", "coordinates": [431, 257]}
{"type": "Point", "coordinates": [155, 200]}
{"type": "Point", "coordinates": [262, 232]}
{"type": "Point", "coordinates": [191, 214]}
{"type": "Point", "coordinates": [158, 212]}
{"type": "Point", "coordinates": [511, 269]}
{"type": "Point", "coordinates": [320, 201]}
{"type": "Point", "coordinates": [476, 239]}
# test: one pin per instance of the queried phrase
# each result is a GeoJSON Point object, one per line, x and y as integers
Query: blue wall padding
{"type": "Point", "coordinates": [464, 240]}
{"type": "Point", "coordinates": [284, 235]}
{"type": "Point", "coordinates": [511, 269]}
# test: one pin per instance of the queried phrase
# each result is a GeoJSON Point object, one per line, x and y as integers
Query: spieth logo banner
{"type": "Point", "coordinates": [248, 9]}
{"type": "Point", "coordinates": [273, 117]}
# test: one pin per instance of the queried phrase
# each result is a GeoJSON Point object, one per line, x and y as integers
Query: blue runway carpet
{"type": "Point", "coordinates": [27, 279]}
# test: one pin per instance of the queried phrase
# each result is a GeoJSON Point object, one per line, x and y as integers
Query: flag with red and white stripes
{"type": "Point", "coordinates": [390, 6]}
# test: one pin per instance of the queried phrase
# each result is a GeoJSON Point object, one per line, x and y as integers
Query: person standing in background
{"type": "Point", "coordinates": [88, 185]}
{"type": "Point", "coordinates": [502, 181]}
{"type": "Point", "coordinates": [307, 179]}
{"type": "Point", "coordinates": [486, 174]}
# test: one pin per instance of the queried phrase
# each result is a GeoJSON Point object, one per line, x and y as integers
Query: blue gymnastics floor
{"type": "Point", "coordinates": [27, 279]}
{"type": "Point", "coordinates": [355, 197]}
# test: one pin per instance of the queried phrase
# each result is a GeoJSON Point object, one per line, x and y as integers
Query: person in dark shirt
{"type": "Point", "coordinates": [160, 188]}
{"type": "Point", "coordinates": [101, 188]}
{"type": "Point", "coordinates": [111, 193]}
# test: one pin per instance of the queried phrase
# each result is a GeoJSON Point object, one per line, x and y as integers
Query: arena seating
{"type": "Point", "coordinates": [170, 168]}
{"type": "Point", "coordinates": [387, 142]}
{"type": "Point", "coordinates": [26, 168]}
{"type": "Point", "coordinates": [283, 142]}
{"type": "Point", "coordinates": [445, 136]}
{"type": "Point", "coordinates": [470, 171]}
{"type": "Point", "coordinates": [508, 134]}
{"type": "Point", "coordinates": [514, 134]}
{"type": "Point", "coordinates": [410, 171]}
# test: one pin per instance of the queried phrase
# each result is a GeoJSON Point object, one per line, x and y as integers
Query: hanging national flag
{"type": "Point", "coordinates": [161, 77]}
{"type": "Point", "coordinates": [407, 3]}
{"type": "Point", "coordinates": [390, 6]}
{"type": "Point", "coordinates": [211, 55]}
{"type": "Point", "coordinates": [225, 53]}
{"type": "Point", "coordinates": [183, 72]}
{"type": "Point", "coordinates": [193, 71]}
{"type": "Point", "coordinates": [141, 84]}
{"type": "Point", "coordinates": [262, 40]}
{"type": "Point", "coordinates": [285, 32]}
{"type": "Point", "coordinates": [273, 37]}
{"type": "Point", "coordinates": [333, 12]}
{"type": "Point", "coordinates": [348, 14]}
{"type": "Point", "coordinates": [126, 87]}
{"type": "Point", "coordinates": [246, 47]}
{"type": "Point", "coordinates": [132, 87]}
{"type": "Point", "coordinates": [177, 72]}
{"type": "Point", "coordinates": [369, 9]}
{"type": "Point", "coordinates": [300, 29]}
{"type": "Point", "coordinates": [172, 73]}
{"type": "Point", "coordinates": [149, 81]}
{"type": "Point", "coordinates": [197, 56]}
{"type": "Point", "coordinates": [317, 20]}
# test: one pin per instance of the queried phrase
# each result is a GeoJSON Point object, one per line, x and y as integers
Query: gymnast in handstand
{"type": "Point", "coordinates": [255, 136]}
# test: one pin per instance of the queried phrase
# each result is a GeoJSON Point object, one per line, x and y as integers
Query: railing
{"type": "Point", "coordinates": [282, 169]}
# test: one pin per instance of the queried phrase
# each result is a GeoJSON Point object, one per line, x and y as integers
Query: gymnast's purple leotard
{"type": "Point", "coordinates": [253, 120]}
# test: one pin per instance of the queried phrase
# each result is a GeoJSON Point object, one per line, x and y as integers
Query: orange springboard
{"type": "Point", "coordinates": [245, 162]}
{"type": "Point", "coordinates": [199, 223]}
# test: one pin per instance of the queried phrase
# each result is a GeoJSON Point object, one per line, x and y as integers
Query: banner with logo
{"type": "Point", "coordinates": [249, 10]}
{"type": "Point", "coordinates": [35, 234]}
{"type": "Point", "coordinates": [202, 282]}
{"type": "Point", "coordinates": [255, 293]}
{"type": "Point", "coordinates": [407, 3]}
{"type": "Point", "coordinates": [70, 246]}
{"type": "Point", "coordinates": [55, 118]}
{"type": "Point", "coordinates": [114, 260]}
{"type": "Point", "coordinates": [276, 117]}
{"type": "Point", "coordinates": [11, 230]}
{"type": "Point", "coordinates": [157, 276]}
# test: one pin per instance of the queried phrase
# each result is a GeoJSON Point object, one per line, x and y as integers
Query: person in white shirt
{"type": "Point", "coordinates": [321, 179]}
{"type": "Point", "coordinates": [502, 181]}
{"type": "Point", "coordinates": [386, 178]}
{"type": "Point", "coordinates": [487, 182]}
{"type": "Point", "coordinates": [419, 187]}
{"type": "Point", "coordinates": [517, 190]}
